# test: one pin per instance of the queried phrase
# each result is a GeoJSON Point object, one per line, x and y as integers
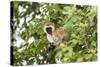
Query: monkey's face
{"type": "Point", "coordinates": [49, 30]}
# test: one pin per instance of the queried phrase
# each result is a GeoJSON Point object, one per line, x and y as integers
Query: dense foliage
{"type": "Point", "coordinates": [29, 40]}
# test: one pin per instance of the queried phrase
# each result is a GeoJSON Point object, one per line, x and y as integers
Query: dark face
{"type": "Point", "coordinates": [49, 30]}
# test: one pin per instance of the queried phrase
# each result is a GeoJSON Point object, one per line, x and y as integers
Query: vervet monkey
{"type": "Point", "coordinates": [54, 35]}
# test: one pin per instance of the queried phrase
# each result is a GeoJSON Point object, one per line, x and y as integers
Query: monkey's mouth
{"type": "Point", "coordinates": [49, 30]}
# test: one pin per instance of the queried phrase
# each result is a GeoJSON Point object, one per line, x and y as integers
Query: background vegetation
{"type": "Point", "coordinates": [29, 40]}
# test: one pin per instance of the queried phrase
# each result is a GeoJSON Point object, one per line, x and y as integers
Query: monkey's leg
{"type": "Point", "coordinates": [49, 47]}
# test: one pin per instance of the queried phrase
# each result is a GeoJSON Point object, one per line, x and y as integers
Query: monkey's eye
{"type": "Point", "coordinates": [49, 30]}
